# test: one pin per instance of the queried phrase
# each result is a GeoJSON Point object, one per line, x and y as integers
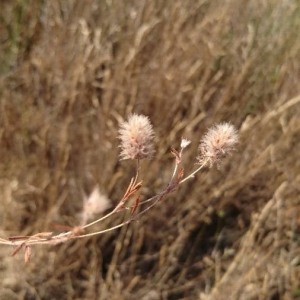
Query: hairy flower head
{"type": "Point", "coordinates": [136, 137]}
{"type": "Point", "coordinates": [96, 203]}
{"type": "Point", "coordinates": [216, 143]}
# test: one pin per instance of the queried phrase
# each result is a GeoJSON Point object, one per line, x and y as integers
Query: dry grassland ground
{"type": "Point", "coordinates": [71, 70]}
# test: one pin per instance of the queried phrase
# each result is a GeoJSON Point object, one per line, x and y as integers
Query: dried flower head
{"type": "Point", "coordinates": [136, 137]}
{"type": "Point", "coordinates": [96, 203]}
{"type": "Point", "coordinates": [217, 142]}
{"type": "Point", "coordinates": [184, 143]}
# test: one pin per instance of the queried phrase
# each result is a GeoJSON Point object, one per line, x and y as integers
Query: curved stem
{"type": "Point", "coordinates": [98, 220]}
{"type": "Point", "coordinates": [192, 174]}
{"type": "Point", "coordinates": [102, 231]}
{"type": "Point", "coordinates": [138, 166]}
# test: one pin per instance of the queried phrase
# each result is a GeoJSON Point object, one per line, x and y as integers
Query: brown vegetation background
{"type": "Point", "coordinates": [71, 70]}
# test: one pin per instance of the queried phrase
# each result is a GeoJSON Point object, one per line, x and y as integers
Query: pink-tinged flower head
{"type": "Point", "coordinates": [217, 142]}
{"type": "Point", "coordinates": [136, 137]}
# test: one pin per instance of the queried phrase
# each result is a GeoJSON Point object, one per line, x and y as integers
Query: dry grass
{"type": "Point", "coordinates": [71, 70]}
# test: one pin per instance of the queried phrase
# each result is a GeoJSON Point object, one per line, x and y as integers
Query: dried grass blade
{"type": "Point", "coordinates": [27, 254]}
{"type": "Point", "coordinates": [19, 237]}
{"type": "Point", "coordinates": [177, 155]}
{"type": "Point", "coordinates": [17, 249]}
{"type": "Point", "coordinates": [136, 204]}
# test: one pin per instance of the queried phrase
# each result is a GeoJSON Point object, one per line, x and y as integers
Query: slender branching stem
{"type": "Point", "coordinates": [192, 174]}
{"type": "Point", "coordinates": [98, 220]}
{"type": "Point", "coordinates": [138, 166]}
{"type": "Point", "coordinates": [219, 140]}
{"type": "Point", "coordinates": [101, 231]}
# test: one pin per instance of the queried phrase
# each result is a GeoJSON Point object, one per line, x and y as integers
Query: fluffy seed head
{"type": "Point", "coordinates": [94, 204]}
{"type": "Point", "coordinates": [184, 143]}
{"type": "Point", "coordinates": [136, 137]}
{"type": "Point", "coordinates": [216, 143]}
